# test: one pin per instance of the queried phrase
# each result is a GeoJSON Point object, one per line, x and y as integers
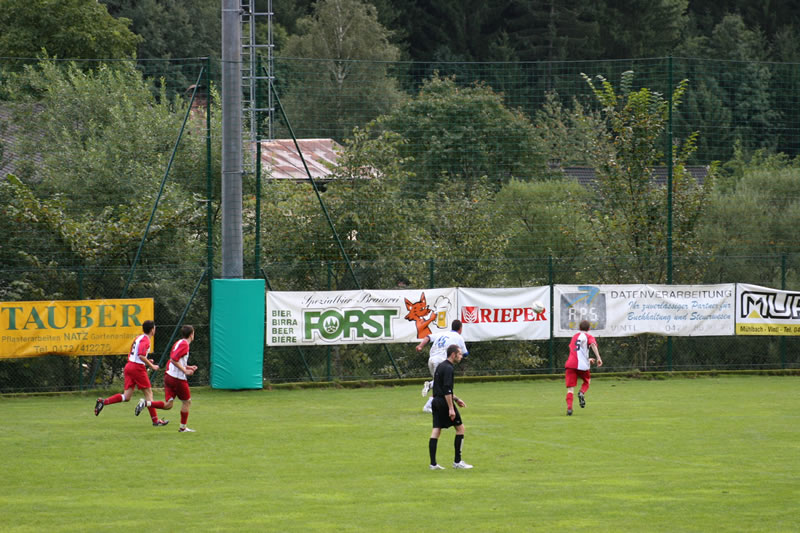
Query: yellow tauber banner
{"type": "Point", "coordinates": [71, 327]}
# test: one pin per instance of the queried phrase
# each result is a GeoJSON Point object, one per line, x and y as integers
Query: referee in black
{"type": "Point", "coordinates": [445, 413]}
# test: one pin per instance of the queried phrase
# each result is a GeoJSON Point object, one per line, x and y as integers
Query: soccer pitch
{"type": "Point", "coordinates": [708, 454]}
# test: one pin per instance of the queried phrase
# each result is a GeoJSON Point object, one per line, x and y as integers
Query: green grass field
{"type": "Point", "coordinates": [708, 454]}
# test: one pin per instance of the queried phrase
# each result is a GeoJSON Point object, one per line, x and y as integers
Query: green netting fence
{"type": "Point", "coordinates": [732, 105]}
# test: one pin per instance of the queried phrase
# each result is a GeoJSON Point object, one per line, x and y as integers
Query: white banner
{"type": "Point", "coordinates": [355, 317]}
{"type": "Point", "coordinates": [504, 314]}
{"type": "Point", "coordinates": [764, 311]}
{"type": "Point", "coordinates": [625, 310]}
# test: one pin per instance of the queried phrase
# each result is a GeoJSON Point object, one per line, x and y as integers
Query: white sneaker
{"type": "Point", "coordinates": [428, 408]}
{"type": "Point", "coordinates": [426, 387]}
{"type": "Point", "coordinates": [437, 467]}
{"type": "Point", "coordinates": [461, 464]}
{"type": "Point", "coordinates": [139, 407]}
{"type": "Point", "coordinates": [186, 430]}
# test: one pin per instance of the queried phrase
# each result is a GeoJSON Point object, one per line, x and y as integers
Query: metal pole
{"type": "Point", "coordinates": [783, 288]}
{"type": "Point", "coordinates": [232, 248]}
{"type": "Point", "coordinates": [551, 277]}
{"type": "Point", "coordinates": [257, 247]}
{"type": "Point", "coordinates": [209, 189]}
{"type": "Point", "coordinates": [669, 198]}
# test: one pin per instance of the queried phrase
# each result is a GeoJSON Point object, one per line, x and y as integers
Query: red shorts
{"type": "Point", "coordinates": [176, 388]}
{"type": "Point", "coordinates": [572, 374]}
{"type": "Point", "coordinates": [136, 375]}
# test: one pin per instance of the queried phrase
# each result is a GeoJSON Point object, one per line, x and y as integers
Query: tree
{"type": "Point", "coordinates": [539, 219]}
{"type": "Point", "coordinates": [461, 134]}
{"type": "Point", "coordinates": [171, 29]}
{"type": "Point", "coordinates": [751, 218]}
{"type": "Point", "coordinates": [628, 215]}
{"type": "Point", "coordinates": [85, 200]}
{"type": "Point", "coordinates": [75, 29]}
{"type": "Point", "coordinates": [344, 81]}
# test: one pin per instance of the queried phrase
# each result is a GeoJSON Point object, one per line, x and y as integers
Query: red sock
{"type": "Point", "coordinates": [113, 399]}
{"type": "Point", "coordinates": [585, 387]}
{"type": "Point", "coordinates": [569, 400]}
{"type": "Point", "coordinates": [157, 405]}
{"type": "Point", "coordinates": [184, 417]}
{"type": "Point", "coordinates": [153, 414]}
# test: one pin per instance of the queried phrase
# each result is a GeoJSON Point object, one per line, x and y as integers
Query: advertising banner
{"type": "Point", "coordinates": [764, 311]}
{"type": "Point", "coordinates": [355, 317]}
{"type": "Point", "coordinates": [71, 327]}
{"type": "Point", "coordinates": [625, 310]}
{"type": "Point", "coordinates": [504, 314]}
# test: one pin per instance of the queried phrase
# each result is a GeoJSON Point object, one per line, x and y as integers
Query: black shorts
{"type": "Point", "coordinates": [441, 414]}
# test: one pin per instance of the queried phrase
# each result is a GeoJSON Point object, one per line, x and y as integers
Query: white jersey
{"type": "Point", "coordinates": [142, 343]}
{"type": "Point", "coordinates": [180, 352]}
{"type": "Point", "coordinates": [440, 342]}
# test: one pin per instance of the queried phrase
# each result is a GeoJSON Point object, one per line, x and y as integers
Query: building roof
{"type": "Point", "coordinates": [280, 159]}
{"type": "Point", "coordinates": [586, 175]}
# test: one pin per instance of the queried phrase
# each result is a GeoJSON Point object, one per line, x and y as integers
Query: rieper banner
{"type": "Point", "coordinates": [764, 311]}
{"type": "Point", "coordinates": [71, 327]}
{"type": "Point", "coordinates": [355, 317]}
{"type": "Point", "coordinates": [504, 314]}
{"type": "Point", "coordinates": [626, 310]}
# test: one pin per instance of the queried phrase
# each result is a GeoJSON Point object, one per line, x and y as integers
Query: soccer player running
{"type": "Point", "coordinates": [439, 343]}
{"type": "Point", "coordinates": [135, 373]}
{"type": "Point", "coordinates": [445, 413]}
{"type": "Point", "coordinates": [176, 384]}
{"type": "Point", "coordinates": [578, 364]}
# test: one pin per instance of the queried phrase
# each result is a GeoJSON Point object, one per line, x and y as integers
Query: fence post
{"type": "Point", "coordinates": [328, 350]}
{"type": "Point", "coordinates": [783, 288]}
{"type": "Point", "coordinates": [550, 279]}
{"type": "Point", "coordinates": [669, 151]}
{"type": "Point", "coordinates": [80, 359]}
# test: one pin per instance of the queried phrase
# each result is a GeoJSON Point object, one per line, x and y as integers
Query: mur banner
{"type": "Point", "coordinates": [71, 327]}
{"type": "Point", "coordinates": [764, 311]}
{"type": "Point", "coordinates": [355, 317]}
{"type": "Point", "coordinates": [626, 310]}
{"type": "Point", "coordinates": [504, 314]}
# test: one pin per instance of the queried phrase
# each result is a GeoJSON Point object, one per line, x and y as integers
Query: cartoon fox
{"type": "Point", "coordinates": [417, 312]}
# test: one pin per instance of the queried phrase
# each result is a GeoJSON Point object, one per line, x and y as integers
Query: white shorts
{"type": "Point", "coordinates": [433, 362]}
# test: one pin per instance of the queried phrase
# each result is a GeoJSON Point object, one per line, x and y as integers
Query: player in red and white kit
{"type": "Point", "coordinates": [175, 382]}
{"type": "Point", "coordinates": [579, 362]}
{"type": "Point", "coordinates": [135, 373]}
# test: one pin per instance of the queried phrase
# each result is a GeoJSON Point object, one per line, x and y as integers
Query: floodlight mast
{"type": "Point", "coordinates": [232, 247]}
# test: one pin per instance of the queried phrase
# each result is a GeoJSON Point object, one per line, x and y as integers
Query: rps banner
{"type": "Point", "coordinates": [504, 314]}
{"type": "Point", "coordinates": [625, 310]}
{"type": "Point", "coordinates": [71, 327]}
{"type": "Point", "coordinates": [764, 311]}
{"type": "Point", "coordinates": [355, 317]}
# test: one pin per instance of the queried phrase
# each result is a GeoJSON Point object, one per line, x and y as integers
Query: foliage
{"type": "Point", "coordinates": [75, 29]}
{"type": "Point", "coordinates": [628, 214]}
{"type": "Point", "coordinates": [170, 29]}
{"type": "Point", "coordinates": [462, 134]}
{"type": "Point", "coordinates": [86, 199]}
{"type": "Point", "coordinates": [353, 86]}
{"type": "Point", "coordinates": [737, 221]}
{"type": "Point", "coordinates": [541, 219]}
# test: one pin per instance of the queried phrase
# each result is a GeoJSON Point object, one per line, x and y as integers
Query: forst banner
{"type": "Point", "coordinates": [356, 317]}
{"type": "Point", "coordinates": [504, 314]}
{"type": "Point", "coordinates": [71, 327]}
{"type": "Point", "coordinates": [376, 316]}
{"type": "Point", "coordinates": [765, 311]}
{"type": "Point", "coordinates": [626, 310]}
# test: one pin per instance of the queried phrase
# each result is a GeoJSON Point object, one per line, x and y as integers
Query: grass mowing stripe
{"type": "Point", "coordinates": [674, 455]}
